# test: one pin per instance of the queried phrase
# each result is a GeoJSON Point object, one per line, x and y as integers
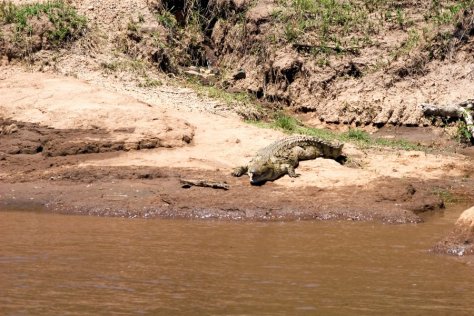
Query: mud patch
{"type": "Point", "coordinates": [32, 138]}
{"type": "Point", "coordinates": [149, 192]}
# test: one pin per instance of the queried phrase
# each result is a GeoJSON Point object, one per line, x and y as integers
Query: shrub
{"type": "Point", "coordinates": [30, 27]}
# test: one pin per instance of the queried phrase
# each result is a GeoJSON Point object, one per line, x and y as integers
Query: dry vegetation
{"type": "Point", "coordinates": [25, 29]}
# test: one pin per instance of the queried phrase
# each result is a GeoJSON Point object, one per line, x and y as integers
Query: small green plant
{"type": "Point", "coordinates": [277, 14]}
{"type": "Point", "coordinates": [150, 83]}
{"type": "Point", "coordinates": [463, 134]}
{"type": "Point", "coordinates": [135, 66]}
{"type": "Point", "coordinates": [333, 23]}
{"type": "Point", "coordinates": [167, 19]}
{"type": "Point", "coordinates": [305, 5]}
{"type": "Point", "coordinates": [229, 98]}
{"type": "Point", "coordinates": [287, 123]}
{"type": "Point", "coordinates": [132, 26]}
{"type": "Point", "coordinates": [291, 32]}
{"type": "Point", "coordinates": [398, 143]}
{"type": "Point", "coordinates": [443, 14]}
{"type": "Point", "coordinates": [110, 66]}
{"type": "Point", "coordinates": [401, 18]}
{"type": "Point", "coordinates": [323, 61]}
{"type": "Point", "coordinates": [412, 41]}
{"type": "Point", "coordinates": [408, 45]}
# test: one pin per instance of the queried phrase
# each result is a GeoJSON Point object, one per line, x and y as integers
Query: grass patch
{"type": "Point", "coordinates": [229, 98]}
{"type": "Point", "coordinates": [445, 12]}
{"type": "Point", "coordinates": [445, 195]}
{"type": "Point", "coordinates": [150, 83]}
{"type": "Point", "coordinates": [30, 27]}
{"type": "Point", "coordinates": [167, 19]}
{"type": "Point", "coordinates": [291, 125]}
{"type": "Point", "coordinates": [332, 21]}
{"type": "Point", "coordinates": [287, 123]}
{"type": "Point", "coordinates": [349, 26]}
{"type": "Point", "coordinates": [244, 104]}
{"type": "Point", "coordinates": [358, 135]}
{"type": "Point", "coordinates": [132, 66]}
{"type": "Point", "coordinates": [135, 66]}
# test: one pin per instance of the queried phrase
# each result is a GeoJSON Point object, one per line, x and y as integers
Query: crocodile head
{"type": "Point", "coordinates": [259, 172]}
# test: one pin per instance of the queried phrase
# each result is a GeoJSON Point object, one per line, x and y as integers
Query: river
{"type": "Point", "coordinates": [75, 265]}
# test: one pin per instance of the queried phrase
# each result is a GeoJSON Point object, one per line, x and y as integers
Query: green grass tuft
{"type": "Point", "coordinates": [286, 123]}
{"type": "Point", "coordinates": [357, 135]}
{"type": "Point", "coordinates": [229, 98]}
{"type": "Point", "coordinates": [291, 125]}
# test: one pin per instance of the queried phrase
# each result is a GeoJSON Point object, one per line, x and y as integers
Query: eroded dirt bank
{"type": "Point", "coordinates": [78, 149]}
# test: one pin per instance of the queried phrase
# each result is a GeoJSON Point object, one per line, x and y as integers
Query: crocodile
{"type": "Point", "coordinates": [284, 155]}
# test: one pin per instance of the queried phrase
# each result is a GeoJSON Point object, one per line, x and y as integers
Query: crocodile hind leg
{"type": "Point", "coordinates": [299, 153]}
{"type": "Point", "coordinates": [307, 153]}
{"type": "Point", "coordinates": [239, 171]}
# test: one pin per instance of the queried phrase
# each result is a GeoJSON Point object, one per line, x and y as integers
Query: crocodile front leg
{"type": "Point", "coordinates": [239, 171]}
{"type": "Point", "coordinates": [291, 171]}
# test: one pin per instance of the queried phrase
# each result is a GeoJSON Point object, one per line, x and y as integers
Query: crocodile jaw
{"type": "Point", "coordinates": [260, 173]}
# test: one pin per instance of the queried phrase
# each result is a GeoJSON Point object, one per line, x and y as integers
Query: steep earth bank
{"type": "Point", "coordinates": [358, 63]}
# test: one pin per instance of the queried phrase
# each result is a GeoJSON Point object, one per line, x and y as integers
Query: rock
{"type": "Point", "coordinates": [285, 67]}
{"type": "Point", "coordinates": [240, 74]}
{"type": "Point", "coordinates": [236, 5]}
{"type": "Point", "coordinates": [286, 62]}
{"type": "Point", "coordinates": [466, 220]}
{"type": "Point", "coordinates": [261, 12]}
{"type": "Point", "coordinates": [8, 129]}
{"type": "Point", "coordinates": [4, 61]}
{"type": "Point", "coordinates": [152, 28]}
{"type": "Point", "coordinates": [240, 4]}
{"type": "Point", "coordinates": [460, 241]}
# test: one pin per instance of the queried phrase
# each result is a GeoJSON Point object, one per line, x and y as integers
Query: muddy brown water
{"type": "Point", "coordinates": [73, 265]}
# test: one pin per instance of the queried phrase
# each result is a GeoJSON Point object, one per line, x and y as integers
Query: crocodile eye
{"type": "Point", "coordinates": [256, 172]}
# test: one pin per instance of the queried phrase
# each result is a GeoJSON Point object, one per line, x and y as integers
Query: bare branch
{"type": "Point", "coordinates": [187, 183]}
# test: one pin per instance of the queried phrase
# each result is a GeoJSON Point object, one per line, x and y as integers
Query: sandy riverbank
{"type": "Point", "coordinates": [82, 148]}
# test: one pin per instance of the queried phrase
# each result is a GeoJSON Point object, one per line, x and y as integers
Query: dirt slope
{"type": "Point", "coordinates": [378, 66]}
